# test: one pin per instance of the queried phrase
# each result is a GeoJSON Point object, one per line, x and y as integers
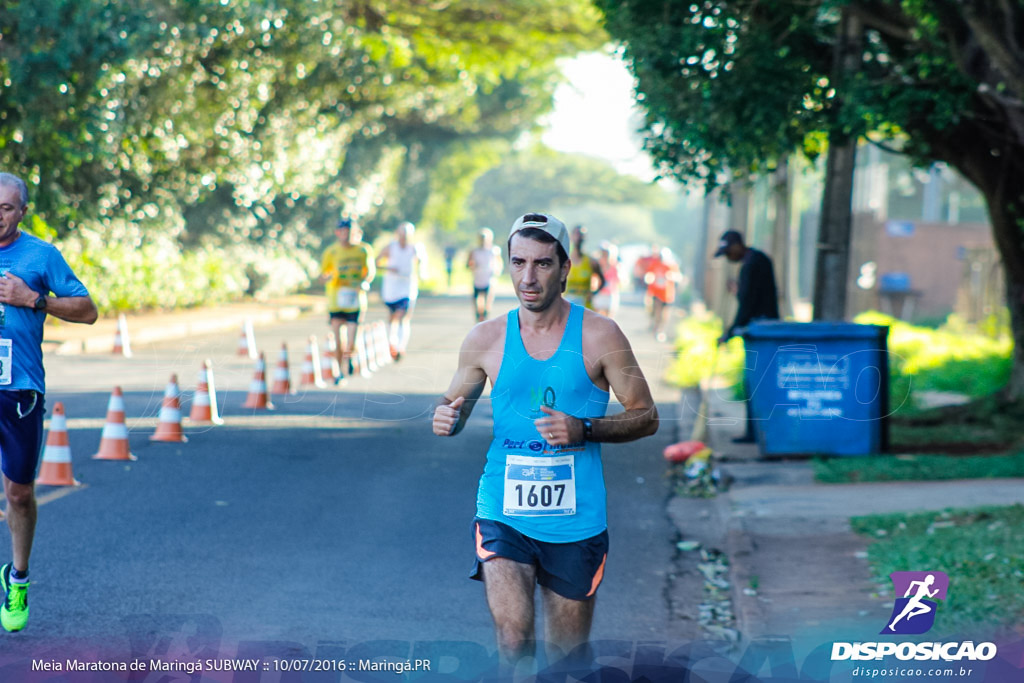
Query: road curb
{"type": "Point", "coordinates": [178, 325]}
{"type": "Point", "coordinates": [741, 550]}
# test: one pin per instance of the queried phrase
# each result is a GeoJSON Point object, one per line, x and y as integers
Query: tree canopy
{"type": "Point", "coordinates": [251, 118]}
{"type": "Point", "coordinates": [731, 88]}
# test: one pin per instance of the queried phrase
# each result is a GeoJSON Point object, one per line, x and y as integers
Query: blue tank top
{"type": "Point", "coordinates": [550, 493]}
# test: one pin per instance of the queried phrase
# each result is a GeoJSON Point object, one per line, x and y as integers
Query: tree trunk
{"type": "Point", "coordinates": [832, 266]}
{"type": "Point", "coordinates": [1015, 302]}
{"type": "Point", "coordinates": [782, 201]}
{"type": "Point", "coordinates": [995, 166]}
{"type": "Point", "coordinates": [1006, 209]}
{"type": "Point", "coordinates": [703, 252]}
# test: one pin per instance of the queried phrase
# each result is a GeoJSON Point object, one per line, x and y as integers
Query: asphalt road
{"type": "Point", "coordinates": [333, 520]}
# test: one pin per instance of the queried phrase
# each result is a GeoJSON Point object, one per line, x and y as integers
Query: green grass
{"type": "Point", "coordinates": [983, 436]}
{"type": "Point", "coordinates": [981, 549]}
{"type": "Point", "coordinates": [974, 360]}
{"type": "Point", "coordinates": [978, 440]}
{"type": "Point", "coordinates": [917, 467]}
{"type": "Point", "coordinates": [988, 425]}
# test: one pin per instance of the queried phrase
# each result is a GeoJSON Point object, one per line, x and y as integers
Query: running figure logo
{"type": "Point", "coordinates": [914, 613]}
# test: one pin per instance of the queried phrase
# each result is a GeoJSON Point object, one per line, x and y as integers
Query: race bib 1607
{"type": "Point", "coordinates": [536, 486]}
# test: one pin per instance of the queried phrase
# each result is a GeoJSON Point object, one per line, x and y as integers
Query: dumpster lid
{"type": "Point", "coordinates": [777, 329]}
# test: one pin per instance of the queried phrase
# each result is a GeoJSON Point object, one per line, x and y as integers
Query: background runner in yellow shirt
{"type": "Point", "coordinates": [348, 269]}
{"type": "Point", "coordinates": [585, 276]}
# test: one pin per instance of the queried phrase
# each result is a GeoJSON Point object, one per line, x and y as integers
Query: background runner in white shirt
{"type": "Point", "coordinates": [403, 262]}
{"type": "Point", "coordinates": [485, 262]}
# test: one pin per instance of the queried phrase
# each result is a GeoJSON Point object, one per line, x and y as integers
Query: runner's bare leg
{"type": "Point", "coordinates": [509, 586]}
{"type": "Point", "coordinates": [566, 624]}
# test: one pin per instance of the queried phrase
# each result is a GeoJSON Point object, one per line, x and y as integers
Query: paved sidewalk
{"type": "Point", "coordinates": [795, 566]}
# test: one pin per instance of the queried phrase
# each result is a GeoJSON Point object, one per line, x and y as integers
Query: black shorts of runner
{"type": "Point", "coordinates": [481, 291]}
{"type": "Point", "coordinates": [21, 434]}
{"type": "Point", "coordinates": [396, 306]}
{"type": "Point", "coordinates": [573, 570]}
{"type": "Point", "coordinates": [348, 316]}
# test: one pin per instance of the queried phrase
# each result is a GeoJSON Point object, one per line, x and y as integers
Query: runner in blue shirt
{"type": "Point", "coordinates": [35, 280]}
{"type": "Point", "coordinates": [540, 516]}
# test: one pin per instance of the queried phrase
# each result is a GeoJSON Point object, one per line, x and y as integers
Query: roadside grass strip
{"type": "Point", "coordinates": [986, 425]}
{"type": "Point", "coordinates": [981, 549]}
{"type": "Point", "coordinates": [932, 467]}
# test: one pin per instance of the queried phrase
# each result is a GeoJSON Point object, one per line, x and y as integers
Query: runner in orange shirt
{"type": "Point", "coordinates": [661, 278]}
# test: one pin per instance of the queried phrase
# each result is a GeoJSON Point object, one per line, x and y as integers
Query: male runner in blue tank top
{"type": "Point", "coordinates": [541, 501]}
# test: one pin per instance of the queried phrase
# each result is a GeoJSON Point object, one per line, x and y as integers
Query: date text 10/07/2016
{"type": "Point", "coordinates": [397, 666]}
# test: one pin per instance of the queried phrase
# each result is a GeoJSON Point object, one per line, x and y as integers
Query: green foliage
{"type": "Point", "coordinates": [732, 87]}
{"type": "Point", "coordinates": [540, 178]}
{"type": "Point", "coordinates": [951, 358]}
{"type": "Point", "coordinates": [248, 122]}
{"type": "Point", "coordinates": [698, 354]}
{"type": "Point", "coordinates": [128, 270]}
{"type": "Point", "coordinates": [453, 181]}
{"type": "Point", "coordinates": [728, 89]}
{"type": "Point", "coordinates": [981, 549]}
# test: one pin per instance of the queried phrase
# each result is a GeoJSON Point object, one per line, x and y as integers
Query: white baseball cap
{"type": "Point", "coordinates": [548, 224]}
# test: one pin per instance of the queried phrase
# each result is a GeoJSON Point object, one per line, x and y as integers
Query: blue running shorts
{"type": "Point", "coordinates": [21, 434]}
{"type": "Point", "coordinates": [573, 570]}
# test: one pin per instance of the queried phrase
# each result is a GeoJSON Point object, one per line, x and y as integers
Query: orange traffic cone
{"type": "Point", "coordinates": [169, 426]}
{"type": "Point", "coordinates": [55, 469]}
{"type": "Point", "coordinates": [383, 344]}
{"type": "Point", "coordinates": [258, 397]}
{"type": "Point", "coordinates": [121, 343]}
{"type": "Point", "coordinates": [372, 364]}
{"type": "Point", "coordinates": [204, 400]}
{"type": "Point", "coordinates": [282, 380]}
{"type": "Point", "coordinates": [329, 366]}
{"type": "Point", "coordinates": [247, 341]}
{"type": "Point", "coordinates": [361, 365]}
{"type": "Point", "coordinates": [114, 441]}
{"type": "Point", "coordinates": [391, 332]}
{"type": "Point", "coordinates": [311, 375]}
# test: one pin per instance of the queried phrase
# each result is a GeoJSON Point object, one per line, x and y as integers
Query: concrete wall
{"type": "Point", "coordinates": [935, 256]}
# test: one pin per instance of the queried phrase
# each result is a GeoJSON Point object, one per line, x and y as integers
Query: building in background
{"type": "Point", "coordinates": [921, 245]}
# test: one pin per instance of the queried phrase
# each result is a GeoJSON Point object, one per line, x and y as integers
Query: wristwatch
{"type": "Point", "coordinates": [40, 304]}
{"type": "Point", "coordinates": [588, 428]}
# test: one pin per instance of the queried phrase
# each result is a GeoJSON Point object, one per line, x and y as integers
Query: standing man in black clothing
{"type": "Point", "coordinates": [757, 295]}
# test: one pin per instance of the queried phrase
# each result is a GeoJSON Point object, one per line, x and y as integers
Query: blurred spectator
{"type": "Point", "coordinates": [756, 291]}
{"type": "Point", "coordinates": [757, 295]}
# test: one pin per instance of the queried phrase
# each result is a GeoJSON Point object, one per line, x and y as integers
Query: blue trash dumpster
{"type": "Point", "coordinates": [818, 388]}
